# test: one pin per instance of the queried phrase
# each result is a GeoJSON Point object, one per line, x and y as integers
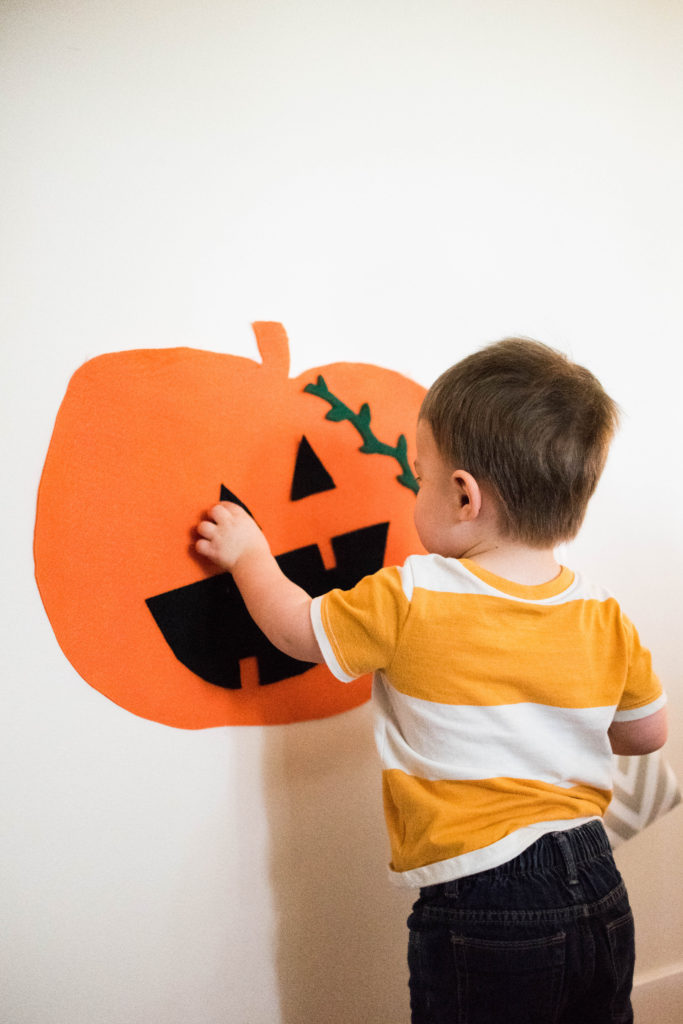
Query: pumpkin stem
{"type": "Point", "coordinates": [273, 345]}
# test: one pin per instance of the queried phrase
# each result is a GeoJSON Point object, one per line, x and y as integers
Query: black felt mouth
{"type": "Point", "coordinates": [209, 630]}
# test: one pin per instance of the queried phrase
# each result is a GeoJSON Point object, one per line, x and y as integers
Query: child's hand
{"type": "Point", "coordinates": [279, 607]}
{"type": "Point", "coordinates": [228, 535]}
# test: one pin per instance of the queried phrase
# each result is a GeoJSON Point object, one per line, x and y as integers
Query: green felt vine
{"type": "Point", "coordinates": [361, 421]}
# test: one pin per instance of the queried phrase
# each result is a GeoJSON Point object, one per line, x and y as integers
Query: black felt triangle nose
{"type": "Point", "coordinates": [310, 476]}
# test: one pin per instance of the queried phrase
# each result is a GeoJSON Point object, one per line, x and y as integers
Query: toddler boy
{"type": "Point", "coordinates": [503, 682]}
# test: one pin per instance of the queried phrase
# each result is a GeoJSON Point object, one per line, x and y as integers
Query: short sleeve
{"type": "Point", "coordinates": [358, 630]}
{"type": "Point", "coordinates": [643, 694]}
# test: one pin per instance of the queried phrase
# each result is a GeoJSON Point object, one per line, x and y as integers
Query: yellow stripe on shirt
{"type": "Point", "coordinates": [494, 650]}
{"type": "Point", "coordinates": [432, 821]}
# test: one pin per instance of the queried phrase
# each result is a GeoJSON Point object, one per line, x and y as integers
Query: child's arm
{"type": "Point", "coordinates": [643, 736]}
{"type": "Point", "coordinates": [280, 608]}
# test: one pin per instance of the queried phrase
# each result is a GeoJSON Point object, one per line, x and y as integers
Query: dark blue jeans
{"type": "Point", "coordinates": [545, 939]}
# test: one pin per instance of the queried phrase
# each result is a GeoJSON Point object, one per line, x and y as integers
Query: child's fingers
{"type": "Point", "coordinates": [203, 547]}
{"type": "Point", "coordinates": [228, 510]}
{"type": "Point", "coordinates": [206, 529]}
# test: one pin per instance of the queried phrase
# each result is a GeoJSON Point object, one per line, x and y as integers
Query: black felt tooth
{"type": "Point", "coordinates": [209, 629]}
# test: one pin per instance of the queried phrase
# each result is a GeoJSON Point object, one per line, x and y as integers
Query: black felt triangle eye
{"type": "Point", "coordinates": [227, 495]}
{"type": "Point", "coordinates": [310, 476]}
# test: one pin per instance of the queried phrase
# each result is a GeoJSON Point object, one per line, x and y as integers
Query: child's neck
{"type": "Point", "coordinates": [517, 562]}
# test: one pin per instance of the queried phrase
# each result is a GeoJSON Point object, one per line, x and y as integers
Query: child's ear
{"type": "Point", "coordinates": [467, 495]}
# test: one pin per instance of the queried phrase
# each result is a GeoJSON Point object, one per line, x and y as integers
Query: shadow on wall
{"type": "Point", "coordinates": [341, 933]}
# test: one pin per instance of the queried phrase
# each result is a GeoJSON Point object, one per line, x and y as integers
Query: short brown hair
{"type": "Point", "coordinates": [534, 426]}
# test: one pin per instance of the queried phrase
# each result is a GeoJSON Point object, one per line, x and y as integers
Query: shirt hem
{"type": "Point", "coordinates": [492, 856]}
{"type": "Point", "coordinates": [634, 714]}
{"type": "Point", "coordinates": [324, 644]}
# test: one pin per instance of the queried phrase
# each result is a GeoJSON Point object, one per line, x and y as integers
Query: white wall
{"type": "Point", "coordinates": [397, 183]}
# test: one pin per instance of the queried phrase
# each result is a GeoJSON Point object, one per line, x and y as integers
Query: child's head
{"type": "Point", "coordinates": [533, 426]}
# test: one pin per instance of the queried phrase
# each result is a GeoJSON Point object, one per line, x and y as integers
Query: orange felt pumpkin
{"type": "Point", "coordinates": [144, 442]}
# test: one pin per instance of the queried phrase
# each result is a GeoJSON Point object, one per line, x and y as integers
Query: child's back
{"type": "Point", "coordinates": [493, 704]}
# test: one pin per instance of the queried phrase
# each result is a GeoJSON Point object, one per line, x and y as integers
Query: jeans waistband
{"type": "Point", "coordinates": [564, 850]}
{"type": "Point", "coordinates": [581, 844]}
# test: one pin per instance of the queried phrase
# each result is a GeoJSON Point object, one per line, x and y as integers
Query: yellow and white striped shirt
{"type": "Point", "coordinates": [492, 699]}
